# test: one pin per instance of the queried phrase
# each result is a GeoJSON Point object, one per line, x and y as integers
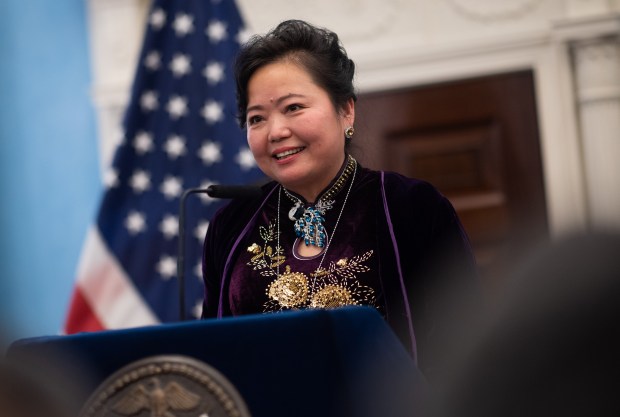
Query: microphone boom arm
{"type": "Point", "coordinates": [214, 191]}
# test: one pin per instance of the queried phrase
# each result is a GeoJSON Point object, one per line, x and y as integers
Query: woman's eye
{"type": "Point", "coordinates": [293, 107]}
{"type": "Point", "coordinates": [254, 119]}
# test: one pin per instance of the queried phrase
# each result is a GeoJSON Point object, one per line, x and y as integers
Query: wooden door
{"type": "Point", "coordinates": [477, 141]}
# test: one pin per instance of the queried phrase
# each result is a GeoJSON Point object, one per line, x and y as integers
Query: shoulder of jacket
{"type": "Point", "coordinates": [395, 182]}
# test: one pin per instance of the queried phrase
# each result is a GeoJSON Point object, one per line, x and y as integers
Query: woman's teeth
{"type": "Point", "coordinates": [287, 153]}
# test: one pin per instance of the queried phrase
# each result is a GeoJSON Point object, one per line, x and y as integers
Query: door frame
{"type": "Point", "coordinates": [550, 61]}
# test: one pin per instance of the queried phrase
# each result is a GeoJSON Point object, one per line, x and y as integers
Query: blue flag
{"type": "Point", "coordinates": [180, 132]}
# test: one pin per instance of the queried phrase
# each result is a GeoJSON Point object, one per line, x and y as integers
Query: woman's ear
{"type": "Point", "coordinates": [348, 112]}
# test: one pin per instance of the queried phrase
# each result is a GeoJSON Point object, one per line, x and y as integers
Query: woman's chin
{"type": "Point", "coordinates": [290, 174]}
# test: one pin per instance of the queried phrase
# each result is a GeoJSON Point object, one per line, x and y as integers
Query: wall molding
{"type": "Point", "coordinates": [492, 10]}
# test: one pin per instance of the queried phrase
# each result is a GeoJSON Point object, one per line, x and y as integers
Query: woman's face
{"type": "Point", "coordinates": [295, 133]}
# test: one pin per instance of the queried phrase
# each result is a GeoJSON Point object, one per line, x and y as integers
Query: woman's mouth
{"type": "Point", "coordinates": [282, 155]}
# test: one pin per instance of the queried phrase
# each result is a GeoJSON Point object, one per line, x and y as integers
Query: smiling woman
{"type": "Point", "coordinates": [326, 232]}
{"type": "Point", "coordinates": [294, 131]}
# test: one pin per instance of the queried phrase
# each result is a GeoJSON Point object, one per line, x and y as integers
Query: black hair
{"type": "Point", "coordinates": [315, 49]}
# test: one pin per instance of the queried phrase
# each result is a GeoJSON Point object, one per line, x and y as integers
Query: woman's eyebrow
{"type": "Point", "coordinates": [277, 102]}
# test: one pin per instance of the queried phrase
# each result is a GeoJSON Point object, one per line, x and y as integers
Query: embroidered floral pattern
{"type": "Point", "coordinates": [335, 286]}
{"type": "Point", "coordinates": [266, 257]}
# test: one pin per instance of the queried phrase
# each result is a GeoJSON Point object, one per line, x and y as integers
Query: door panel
{"type": "Point", "coordinates": [477, 141]}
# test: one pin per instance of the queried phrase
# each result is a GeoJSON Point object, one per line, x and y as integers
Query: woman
{"type": "Point", "coordinates": [326, 232]}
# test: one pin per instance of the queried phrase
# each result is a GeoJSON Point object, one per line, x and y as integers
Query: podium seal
{"type": "Point", "coordinates": [166, 386]}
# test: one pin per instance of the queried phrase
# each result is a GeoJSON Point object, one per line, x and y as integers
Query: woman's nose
{"type": "Point", "coordinates": [278, 130]}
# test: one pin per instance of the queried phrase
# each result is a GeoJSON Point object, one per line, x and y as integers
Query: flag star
{"type": "Point", "coordinates": [148, 101]}
{"type": "Point", "coordinates": [135, 222]}
{"type": "Point", "coordinates": [183, 24]}
{"type": "Point", "coordinates": [206, 199]}
{"type": "Point", "coordinates": [216, 31]}
{"type": "Point", "coordinates": [110, 178]}
{"type": "Point", "coordinates": [210, 153]}
{"type": "Point", "coordinates": [180, 65]}
{"type": "Point", "coordinates": [167, 267]}
{"type": "Point", "coordinates": [201, 230]}
{"type": "Point", "coordinates": [177, 107]}
{"type": "Point", "coordinates": [243, 35]}
{"type": "Point", "coordinates": [213, 112]}
{"type": "Point", "coordinates": [157, 19]}
{"type": "Point", "coordinates": [198, 270]}
{"type": "Point", "coordinates": [172, 187]}
{"type": "Point", "coordinates": [140, 181]}
{"type": "Point", "coordinates": [143, 142]}
{"type": "Point", "coordinates": [245, 159]}
{"type": "Point", "coordinates": [169, 226]}
{"type": "Point", "coordinates": [197, 313]}
{"type": "Point", "coordinates": [214, 72]}
{"type": "Point", "coordinates": [152, 60]}
{"type": "Point", "coordinates": [175, 146]}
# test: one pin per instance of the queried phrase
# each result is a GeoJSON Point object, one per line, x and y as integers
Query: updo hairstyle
{"type": "Point", "coordinates": [316, 50]}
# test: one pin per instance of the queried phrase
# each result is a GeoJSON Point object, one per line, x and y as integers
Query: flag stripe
{"type": "Point", "coordinates": [82, 318]}
{"type": "Point", "coordinates": [104, 297]}
{"type": "Point", "coordinates": [108, 290]}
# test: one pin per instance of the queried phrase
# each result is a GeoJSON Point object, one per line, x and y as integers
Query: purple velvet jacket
{"type": "Point", "coordinates": [421, 243]}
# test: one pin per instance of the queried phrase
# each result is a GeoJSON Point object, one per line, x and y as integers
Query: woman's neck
{"type": "Point", "coordinates": [311, 196]}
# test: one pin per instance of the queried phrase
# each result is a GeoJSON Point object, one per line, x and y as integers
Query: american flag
{"type": "Point", "coordinates": [179, 133]}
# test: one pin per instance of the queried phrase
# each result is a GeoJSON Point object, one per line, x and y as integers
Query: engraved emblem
{"type": "Point", "coordinates": [166, 386]}
{"type": "Point", "coordinates": [151, 396]}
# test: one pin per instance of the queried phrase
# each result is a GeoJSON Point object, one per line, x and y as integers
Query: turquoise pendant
{"type": "Point", "coordinates": [309, 226]}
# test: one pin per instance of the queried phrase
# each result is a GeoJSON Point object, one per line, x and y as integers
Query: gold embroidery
{"type": "Point", "coordinates": [345, 268]}
{"type": "Point", "coordinates": [266, 258]}
{"type": "Point", "coordinates": [334, 286]}
{"type": "Point", "coordinates": [290, 290]}
{"type": "Point", "coordinates": [338, 285]}
{"type": "Point", "coordinates": [267, 233]}
{"type": "Point", "coordinates": [331, 296]}
{"type": "Point", "coordinates": [255, 249]}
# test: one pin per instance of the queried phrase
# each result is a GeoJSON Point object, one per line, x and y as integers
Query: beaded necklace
{"type": "Point", "coordinates": [351, 164]}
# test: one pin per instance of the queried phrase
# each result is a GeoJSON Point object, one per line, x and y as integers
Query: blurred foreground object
{"type": "Point", "coordinates": [549, 346]}
{"type": "Point", "coordinates": [28, 390]}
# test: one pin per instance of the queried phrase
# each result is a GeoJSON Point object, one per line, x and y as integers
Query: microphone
{"type": "Point", "coordinates": [233, 191]}
{"type": "Point", "coordinates": [214, 191]}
